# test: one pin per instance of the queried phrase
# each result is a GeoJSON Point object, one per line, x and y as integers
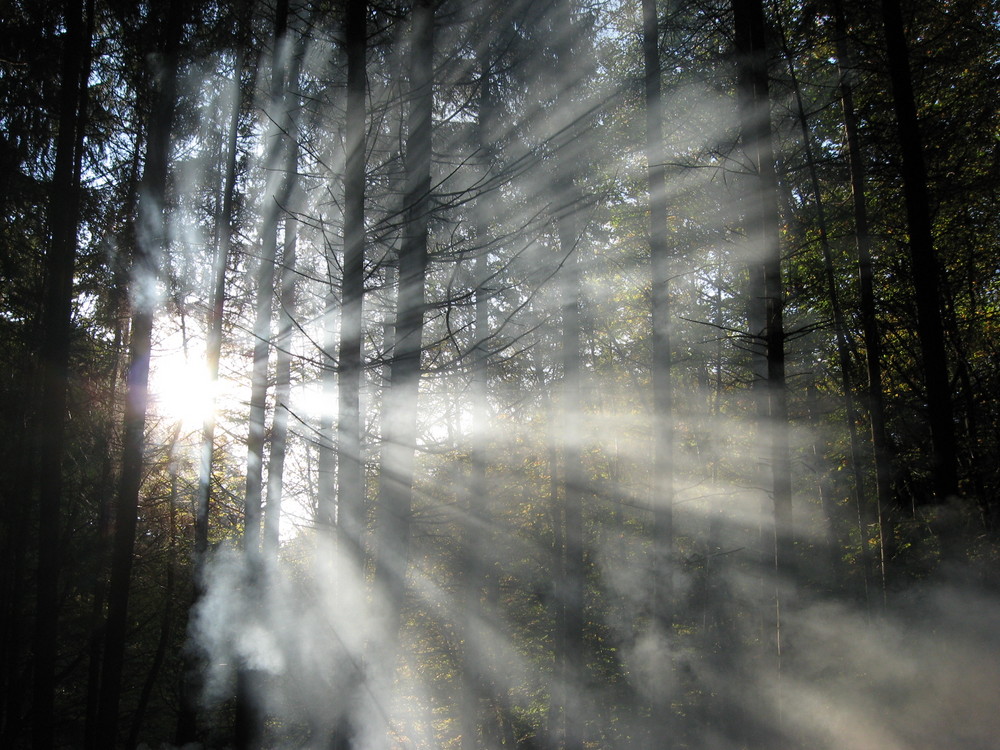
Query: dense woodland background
{"type": "Point", "coordinates": [467, 374]}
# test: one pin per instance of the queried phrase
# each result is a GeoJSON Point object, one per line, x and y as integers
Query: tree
{"type": "Point", "coordinates": [350, 468]}
{"type": "Point", "coordinates": [187, 720]}
{"type": "Point", "coordinates": [395, 494]}
{"type": "Point", "coordinates": [924, 264]}
{"type": "Point", "coordinates": [881, 449]}
{"type": "Point", "coordinates": [64, 207]}
{"type": "Point", "coordinates": [766, 288]}
{"type": "Point", "coordinates": [151, 242]}
{"type": "Point", "coordinates": [534, 255]}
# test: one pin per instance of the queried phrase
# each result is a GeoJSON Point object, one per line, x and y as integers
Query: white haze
{"type": "Point", "coordinates": [311, 628]}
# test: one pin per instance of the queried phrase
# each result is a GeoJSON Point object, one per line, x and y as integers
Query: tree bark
{"type": "Point", "coordinates": [167, 618]}
{"type": "Point", "coordinates": [660, 262]}
{"type": "Point", "coordinates": [63, 221]}
{"type": "Point", "coordinates": [925, 267]}
{"type": "Point", "coordinates": [477, 542]}
{"type": "Point", "coordinates": [662, 598]}
{"type": "Point", "coordinates": [399, 427]}
{"type": "Point", "coordinates": [762, 226]}
{"type": "Point", "coordinates": [289, 200]}
{"type": "Point", "coordinates": [275, 197]}
{"type": "Point", "coordinates": [249, 716]}
{"type": "Point", "coordinates": [187, 718]}
{"type": "Point", "coordinates": [864, 515]}
{"type": "Point", "coordinates": [151, 242]}
{"type": "Point", "coordinates": [282, 394]}
{"type": "Point", "coordinates": [350, 468]}
{"type": "Point", "coordinates": [571, 577]}
{"type": "Point", "coordinates": [882, 452]}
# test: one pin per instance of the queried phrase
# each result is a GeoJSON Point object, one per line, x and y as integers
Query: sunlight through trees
{"type": "Point", "coordinates": [472, 375]}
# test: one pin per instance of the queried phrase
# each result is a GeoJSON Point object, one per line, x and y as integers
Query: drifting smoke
{"type": "Point", "coordinates": [747, 658]}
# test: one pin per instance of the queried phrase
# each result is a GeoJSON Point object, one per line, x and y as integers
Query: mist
{"type": "Point", "coordinates": [477, 376]}
{"type": "Point", "coordinates": [446, 605]}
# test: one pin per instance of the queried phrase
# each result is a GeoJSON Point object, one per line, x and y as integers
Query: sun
{"type": "Point", "coordinates": [179, 384]}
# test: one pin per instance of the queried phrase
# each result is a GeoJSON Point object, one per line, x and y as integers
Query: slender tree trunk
{"type": "Point", "coordinates": [64, 208]}
{"type": "Point", "coordinates": [662, 599]}
{"type": "Point", "coordinates": [282, 394]}
{"type": "Point", "coordinates": [478, 543]}
{"type": "Point", "coordinates": [763, 222]}
{"type": "Point", "coordinates": [151, 242]}
{"type": "Point", "coordinates": [864, 514]}
{"type": "Point", "coordinates": [399, 425]}
{"type": "Point", "coordinates": [350, 468]}
{"type": "Point", "coordinates": [660, 302]}
{"type": "Point", "coordinates": [557, 510]}
{"type": "Point", "coordinates": [924, 263]}
{"type": "Point", "coordinates": [274, 199]}
{"type": "Point", "coordinates": [568, 202]}
{"type": "Point", "coordinates": [187, 719]}
{"type": "Point", "coordinates": [821, 468]}
{"type": "Point", "coordinates": [103, 531]}
{"type": "Point", "coordinates": [167, 618]}
{"type": "Point", "coordinates": [249, 717]}
{"type": "Point", "coordinates": [881, 449]}
{"type": "Point", "coordinates": [290, 194]}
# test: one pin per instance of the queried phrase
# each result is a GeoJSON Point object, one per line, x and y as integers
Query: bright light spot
{"type": "Point", "coordinates": [180, 387]}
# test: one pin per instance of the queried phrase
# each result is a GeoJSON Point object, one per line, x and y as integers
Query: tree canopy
{"type": "Point", "coordinates": [540, 374]}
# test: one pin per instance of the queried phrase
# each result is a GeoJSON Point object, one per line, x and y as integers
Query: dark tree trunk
{"type": "Point", "coordinates": [662, 599]}
{"type": "Point", "coordinates": [350, 468]}
{"type": "Point", "coordinates": [104, 530]}
{"type": "Point", "coordinates": [477, 542]}
{"type": "Point", "coordinates": [150, 243]}
{"type": "Point", "coordinates": [571, 578]}
{"type": "Point", "coordinates": [762, 226]}
{"type": "Point", "coordinates": [167, 618]}
{"type": "Point", "coordinates": [187, 718]}
{"type": "Point", "coordinates": [924, 263]}
{"type": "Point", "coordinates": [660, 263]}
{"type": "Point", "coordinates": [100, 587]}
{"type": "Point", "coordinates": [881, 449]}
{"type": "Point", "coordinates": [864, 515]}
{"type": "Point", "coordinates": [63, 220]}
{"type": "Point", "coordinates": [249, 712]}
{"type": "Point", "coordinates": [399, 427]}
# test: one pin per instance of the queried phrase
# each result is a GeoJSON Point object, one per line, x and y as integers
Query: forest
{"type": "Point", "coordinates": [465, 375]}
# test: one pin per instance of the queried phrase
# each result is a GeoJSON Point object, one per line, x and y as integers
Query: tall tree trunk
{"type": "Point", "coordinates": [925, 267]}
{"type": "Point", "coordinates": [282, 393]}
{"type": "Point", "coordinates": [399, 426]}
{"type": "Point", "coordinates": [822, 468]}
{"type": "Point", "coordinates": [120, 309]}
{"type": "Point", "coordinates": [187, 718]}
{"type": "Point", "coordinates": [104, 527]}
{"type": "Point", "coordinates": [151, 241]}
{"type": "Point", "coordinates": [865, 517]}
{"type": "Point", "coordinates": [249, 717]}
{"type": "Point", "coordinates": [275, 197]}
{"type": "Point", "coordinates": [662, 605]}
{"type": "Point", "coordinates": [762, 219]}
{"type": "Point", "coordinates": [63, 220]}
{"type": "Point", "coordinates": [477, 544]}
{"type": "Point", "coordinates": [660, 262]}
{"type": "Point", "coordinates": [881, 449]}
{"type": "Point", "coordinates": [350, 468]}
{"type": "Point", "coordinates": [568, 202]}
{"type": "Point", "coordinates": [290, 195]}
{"type": "Point", "coordinates": [167, 618]}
